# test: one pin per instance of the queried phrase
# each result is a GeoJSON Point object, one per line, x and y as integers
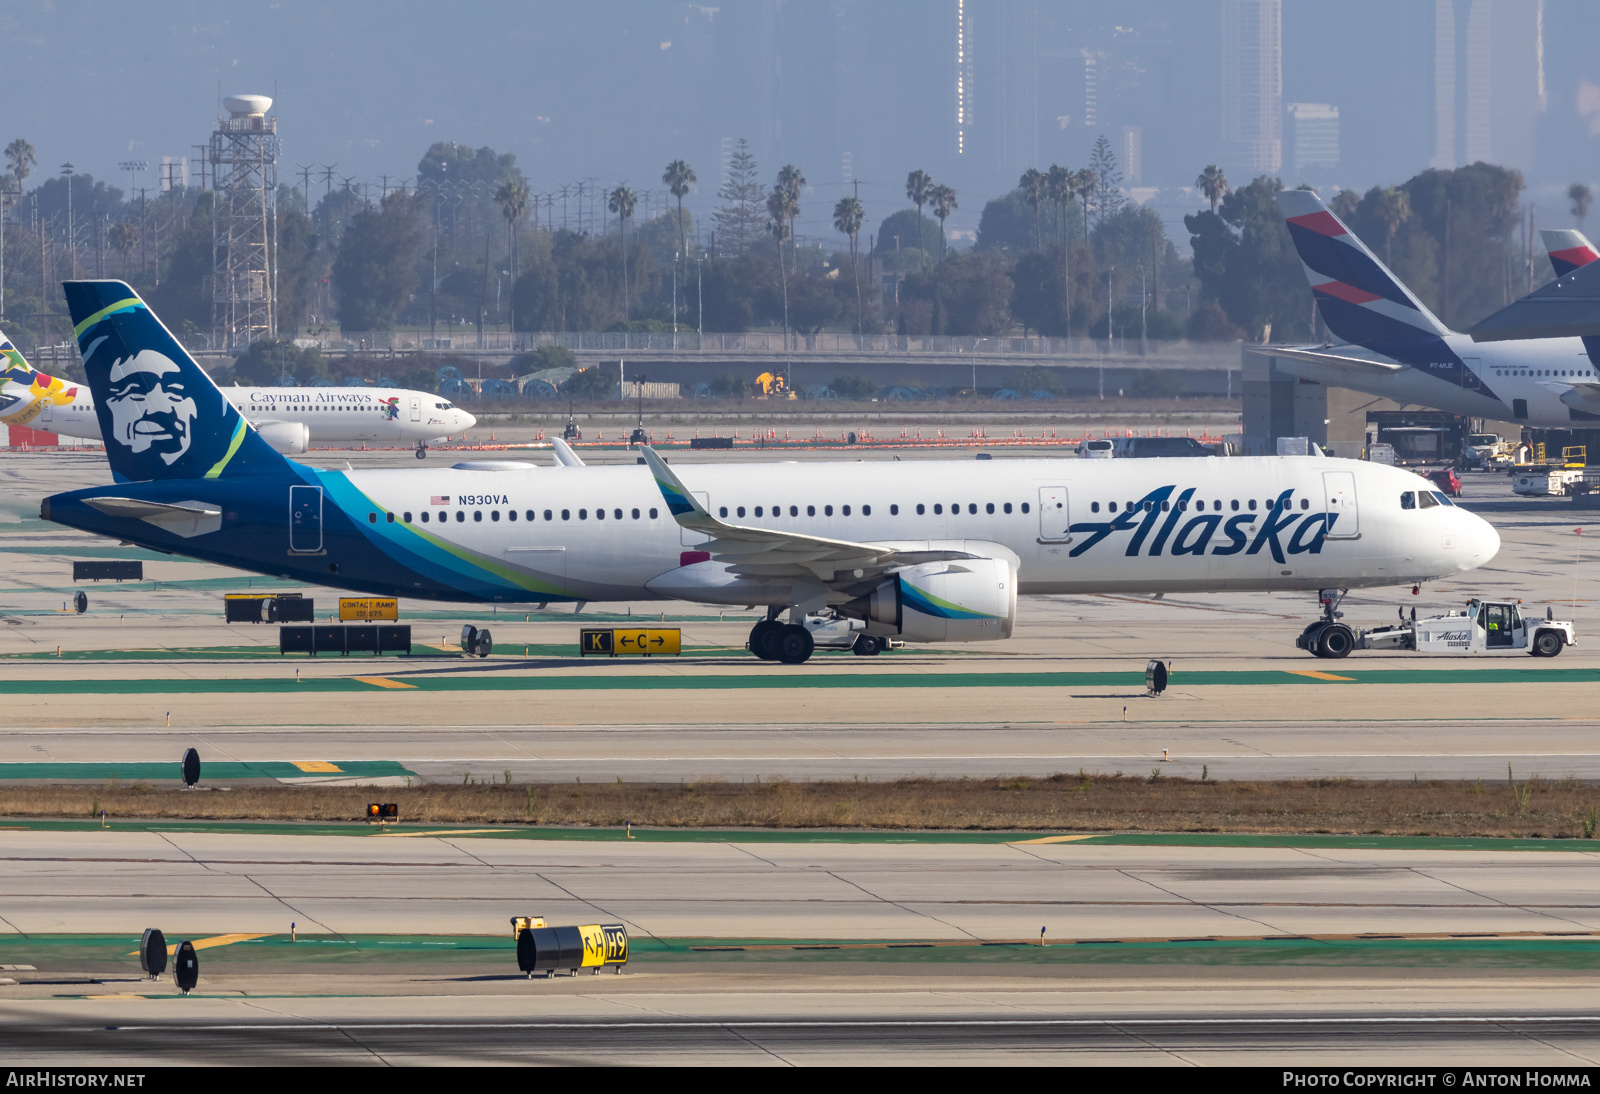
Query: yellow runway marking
{"type": "Point", "coordinates": [383, 682]}
{"type": "Point", "coordinates": [321, 767]}
{"type": "Point", "coordinates": [210, 943]}
{"type": "Point", "coordinates": [1051, 839]}
{"type": "Point", "coordinates": [1315, 675]}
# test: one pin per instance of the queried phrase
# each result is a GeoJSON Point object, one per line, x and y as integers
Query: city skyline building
{"type": "Point", "coordinates": [1315, 132]}
{"type": "Point", "coordinates": [1252, 85]}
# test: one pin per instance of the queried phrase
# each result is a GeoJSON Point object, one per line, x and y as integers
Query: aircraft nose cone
{"type": "Point", "coordinates": [1483, 540]}
{"type": "Point", "coordinates": [465, 420]}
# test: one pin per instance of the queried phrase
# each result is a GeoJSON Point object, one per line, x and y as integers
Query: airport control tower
{"type": "Point", "coordinates": [243, 157]}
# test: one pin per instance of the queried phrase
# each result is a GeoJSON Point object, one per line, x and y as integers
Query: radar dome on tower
{"type": "Point", "coordinates": [242, 105]}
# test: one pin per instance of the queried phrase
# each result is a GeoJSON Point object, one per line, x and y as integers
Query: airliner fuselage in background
{"type": "Point", "coordinates": [1392, 345]}
{"type": "Point", "coordinates": [290, 419]}
{"type": "Point", "coordinates": [927, 551]}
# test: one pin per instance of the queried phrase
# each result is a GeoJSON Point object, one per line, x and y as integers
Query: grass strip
{"type": "Point", "coordinates": [1525, 814]}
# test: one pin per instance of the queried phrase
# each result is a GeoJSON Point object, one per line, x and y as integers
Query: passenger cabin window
{"type": "Point", "coordinates": [866, 510]}
{"type": "Point", "coordinates": [827, 510]}
{"type": "Point", "coordinates": [461, 516]}
{"type": "Point", "coordinates": [894, 511]}
{"type": "Point", "coordinates": [424, 516]}
{"type": "Point", "coordinates": [407, 518]}
{"type": "Point", "coordinates": [1008, 507]}
{"type": "Point", "coordinates": [920, 509]}
{"type": "Point", "coordinates": [652, 514]}
{"type": "Point", "coordinates": [1024, 507]}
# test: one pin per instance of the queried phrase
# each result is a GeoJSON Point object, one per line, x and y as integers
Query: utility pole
{"type": "Point", "coordinates": [72, 236]}
{"type": "Point", "coordinates": [1144, 345]}
{"type": "Point", "coordinates": [675, 257]}
{"type": "Point", "coordinates": [700, 326]}
{"type": "Point", "coordinates": [1111, 336]}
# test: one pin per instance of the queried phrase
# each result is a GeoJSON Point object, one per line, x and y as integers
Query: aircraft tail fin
{"type": "Point", "coordinates": [1360, 300]}
{"type": "Point", "coordinates": [160, 414]}
{"type": "Point", "coordinates": [1568, 249]}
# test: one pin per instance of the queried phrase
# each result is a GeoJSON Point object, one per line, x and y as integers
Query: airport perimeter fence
{"type": "Point", "coordinates": [750, 343]}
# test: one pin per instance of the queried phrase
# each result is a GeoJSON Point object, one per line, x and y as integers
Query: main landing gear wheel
{"type": "Point", "coordinates": [793, 644]}
{"type": "Point", "coordinates": [1546, 644]}
{"type": "Point", "coordinates": [422, 452]}
{"type": "Point", "coordinates": [1335, 641]}
{"type": "Point", "coordinates": [762, 637]}
{"type": "Point", "coordinates": [867, 646]}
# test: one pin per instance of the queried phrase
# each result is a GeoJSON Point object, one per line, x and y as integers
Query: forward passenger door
{"type": "Point", "coordinates": [1055, 516]}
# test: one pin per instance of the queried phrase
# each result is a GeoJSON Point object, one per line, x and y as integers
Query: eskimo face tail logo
{"type": "Point", "coordinates": [150, 409]}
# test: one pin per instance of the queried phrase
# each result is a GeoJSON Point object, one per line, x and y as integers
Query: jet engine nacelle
{"type": "Point", "coordinates": [967, 600]}
{"type": "Point", "coordinates": [290, 438]}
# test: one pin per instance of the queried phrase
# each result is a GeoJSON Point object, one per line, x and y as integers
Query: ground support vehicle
{"type": "Point", "coordinates": [825, 632]}
{"type": "Point", "coordinates": [1485, 626]}
{"type": "Point", "coordinates": [1556, 482]}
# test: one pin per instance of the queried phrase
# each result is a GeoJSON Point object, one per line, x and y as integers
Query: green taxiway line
{"type": "Point", "coordinates": [798, 679]}
{"type": "Point", "coordinates": [49, 952]}
{"type": "Point", "coordinates": [211, 770]}
{"type": "Point", "coordinates": [800, 835]}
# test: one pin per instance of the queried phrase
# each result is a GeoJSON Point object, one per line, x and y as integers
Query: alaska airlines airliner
{"type": "Point", "coordinates": [1390, 344]}
{"type": "Point", "coordinates": [290, 419]}
{"type": "Point", "coordinates": [925, 551]}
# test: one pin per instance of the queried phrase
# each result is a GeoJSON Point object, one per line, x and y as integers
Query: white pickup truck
{"type": "Point", "coordinates": [1486, 626]}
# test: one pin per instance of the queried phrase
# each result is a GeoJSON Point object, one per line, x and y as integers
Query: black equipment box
{"type": "Point", "coordinates": [106, 570]}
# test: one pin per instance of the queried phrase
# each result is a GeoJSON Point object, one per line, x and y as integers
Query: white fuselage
{"type": "Point", "coordinates": [331, 415]}
{"type": "Point", "coordinates": [1206, 524]}
{"type": "Point", "coordinates": [1534, 373]}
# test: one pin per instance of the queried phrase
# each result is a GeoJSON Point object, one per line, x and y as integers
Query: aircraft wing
{"type": "Point", "coordinates": [1319, 356]}
{"type": "Point", "coordinates": [1568, 307]}
{"type": "Point", "coordinates": [770, 552]}
{"type": "Point", "coordinates": [1585, 397]}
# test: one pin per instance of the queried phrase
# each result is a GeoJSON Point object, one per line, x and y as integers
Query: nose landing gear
{"type": "Point", "coordinates": [422, 450]}
{"type": "Point", "coordinates": [1327, 637]}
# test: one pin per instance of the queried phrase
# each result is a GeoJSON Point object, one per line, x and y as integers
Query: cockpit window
{"type": "Point", "coordinates": [444, 406]}
{"type": "Point", "coordinates": [1408, 500]}
{"type": "Point", "coordinates": [1426, 499]}
{"type": "Point", "coordinates": [1444, 499]}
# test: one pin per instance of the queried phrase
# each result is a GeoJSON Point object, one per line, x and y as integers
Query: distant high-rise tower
{"type": "Point", "coordinates": [1091, 90]}
{"type": "Point", "coordinates": [1252, 85]}
{"type": "Point", "coordinates": [243, 155]}
{"type": "Point", "coordinates": [1133, 155]}
{"type": "Point", "coordinates": [1488, 81]}
{"type": "Point", "coordinates": [1316, 137]}
{"type": "Point", "coordinates": [1444, 85]}
{"type": "Point", "coordinates": [964, 86]}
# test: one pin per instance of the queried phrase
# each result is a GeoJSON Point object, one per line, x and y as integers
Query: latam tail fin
{"type": "Point", "coordinates": [160, 414]}
{"type": "Point", "coordinates": [1568, 248]}
{"type": "Point", "coordinates": [1361, 301]}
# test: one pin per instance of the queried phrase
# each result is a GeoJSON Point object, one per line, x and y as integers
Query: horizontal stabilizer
{"type": "Point", "coordinates": [1565, 308]}
{"type": "Point", "coordinates": [1333, 360]}
{"type": "Point", "coordinates": [186, 518]}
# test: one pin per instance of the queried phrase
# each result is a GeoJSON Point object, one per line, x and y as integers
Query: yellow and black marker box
{"type": "Point", "coordinates": [368, 608]}
{"type": "Point", "coordinates": [611, 641]}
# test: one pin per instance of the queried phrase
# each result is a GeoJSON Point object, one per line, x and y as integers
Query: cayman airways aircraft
{"type": "Point", "coordinates": [926, 551]}
{"type": "Point", "coordinates": [290, 419]}
{"type": "Point", "coordinates": [1390, 344]}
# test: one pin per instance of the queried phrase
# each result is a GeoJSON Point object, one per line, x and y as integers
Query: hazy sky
{"type": "Point", "coordinates": [614, 89]}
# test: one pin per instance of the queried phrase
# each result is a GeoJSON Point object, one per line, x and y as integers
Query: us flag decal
{"type": "Point", "coordinates": [440, 499]}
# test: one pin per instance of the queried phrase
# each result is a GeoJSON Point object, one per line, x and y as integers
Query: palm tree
{"type": "Point", "coordinates": [919, 187]}
{"type": "Point", "coordinates": [1213, 184]}
{"type": "Point", "coordinates": [622, 202]}
{"type": "Point", "coordinates": [1034, 187]}
{"type": "Point", "coordinates": [512, 197]}
{"type": "Point", "coordinates": [790, 180]}
{"type": "Point", "coordinates": [848, 216]}
{"type": "Point", "coordinates": [943, 200]}
{"type": "Point", "coordinates": [1062, 185]}
{"type": "Point", "coordinates": [1393, 208]}
{"type": "Point", "coordinates": [1084, 181]}
{"type": "Point", "coordinates": [679, 177]}
{"type": "Point", "coordinates": [1581, 197]}
{"type": "Point", "coordinates": [781, 207]}
{"type": "Point", "coordinates": [124, 237]}
{"type": "Point", "coordinates": [22, 157]}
